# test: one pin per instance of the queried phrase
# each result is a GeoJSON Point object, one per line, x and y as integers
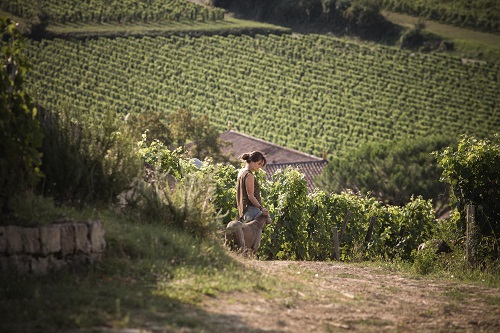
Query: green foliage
{"type": "Point", "coordinates": [412, 38]}
{"type": "Point", "coordinates": [425, 261]}
{"type": "Point", "coordinates": [160, 157]}
{"type": "Point", "coordinates": [88, 157]}
{"type": "Point", "coordinates": [363, 17]}
{"type": "Point", "coordinates": [178, 131]}
{"type": "Point", "coordinates": [100, 11]}
{"type": "Point", "coordinates": [224, 197]}
{"type": "Point", "coordinates": [414, 226]}
{"type": "Point", "coordinates": [197, 133]}
{"type": "Point", "coordinates": [179, 194]}
{"type": "Point", "coordinates": [320, 222]}
{"type": "Point", "coordinates": [286, 238]}
{"type": "Point", "coordinates": [20, 134]}
{"type": "Point", "coordinates": [155, 123]}
{"type": "Point", "coordinates": [191, 202]}
{"type": "Point", "coordinates": [303, 223]}
{"type": "Point", "coordinates": [478, 14]}
{"type": "Point", "coordinates": [29, 210]}
{"type": "Point", "coordinates": [392, 171]}
{"type": "Point", "coordinates": [337, 94]}
{"type": "Point", "coordinates": [473, 173]}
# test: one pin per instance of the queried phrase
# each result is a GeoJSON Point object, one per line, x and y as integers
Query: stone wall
{"type": "Point", "coordinates": [50, 247]}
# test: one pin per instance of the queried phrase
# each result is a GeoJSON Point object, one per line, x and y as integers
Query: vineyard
{"type": "Point", "coordinates": [85, 11]}
{"type": "Point", "coordinates": [307, 92]}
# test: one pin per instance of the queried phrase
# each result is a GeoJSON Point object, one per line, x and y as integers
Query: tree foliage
{"type": "Point", "coordinates": [20, 134]}
{"type": "Point", "coordinates": [391, 171]}
{"type": "Point", "coordinates": [363, 18]}
{"type": "Point", "coordinates": [354, 16]}
{"type": "Point", "coordinates": [179, 130]}
{"type": "Point", "coordinates": [473, 173]}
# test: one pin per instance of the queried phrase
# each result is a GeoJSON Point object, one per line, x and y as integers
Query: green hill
{"type": "Point", "coordinates": [308, 92]}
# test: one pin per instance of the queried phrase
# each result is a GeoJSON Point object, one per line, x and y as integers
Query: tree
{"type": "Point", "coordinates": [181, 126]}
{"type": "Point", "coordinates": [473, 173]}
{"type": "Point", "coordinates": [392, 171]}
{"type": "Point", "coordinates": [197, 135]}
{"type": "Point", "coordinates": [413, 38]}
{"type": "Point", "coordinates": [154, 122]}
{"type": "Point", "coordinates": [180, 130]}
{"type": "Point", "coordinates": [363, 17]}
{"type": "Point", "coordinates": [20, 134]}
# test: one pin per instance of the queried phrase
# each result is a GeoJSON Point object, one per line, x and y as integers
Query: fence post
{"type": "Point", "coordinates": [344, 225]}
{"type": "Point", "coordinates": [336, 243]}
{"type": "Point", "coordinates": [370, 229]}
{"type": "Point", "coordinates": [471, 235]}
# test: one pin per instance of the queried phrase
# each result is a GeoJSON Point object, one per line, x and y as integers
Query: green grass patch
{"type": "Point", "coordinates": [30, 210]}
{"type": "Point", "coordinates": [467, 43]}
{"type": "Point", "coordinates": [227, 26]}
{"type": "Point", "coordinates": [447, 268]}
{"type": "Point", "coordinates": [150, 275]}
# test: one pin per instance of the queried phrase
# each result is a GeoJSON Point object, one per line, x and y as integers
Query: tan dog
{"type": "Point", "coordinates": [246, 236]}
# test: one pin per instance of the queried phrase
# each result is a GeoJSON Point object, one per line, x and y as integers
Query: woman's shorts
{"type": "Point", "coordinates": [251, 214]}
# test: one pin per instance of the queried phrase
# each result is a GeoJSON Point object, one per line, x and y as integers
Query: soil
{"type": "Point", "coordinates": [338, 297]}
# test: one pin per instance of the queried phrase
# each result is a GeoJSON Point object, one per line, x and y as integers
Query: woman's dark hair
{"type": "Point", "coordinates": [254, 156]}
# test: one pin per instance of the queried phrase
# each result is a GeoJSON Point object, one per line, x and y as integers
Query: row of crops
{"type": "Point", "coordinates": [307, 92]}
{"type": "Point", "coordinates": [100, 11]}
{"type": "Point", "coordinates": [478, 14]}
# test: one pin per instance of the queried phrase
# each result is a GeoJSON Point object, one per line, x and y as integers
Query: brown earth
{"type": "Point", "coordinates": [338, 297]}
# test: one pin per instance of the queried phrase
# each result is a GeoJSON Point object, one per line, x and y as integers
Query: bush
{"type": "Point", "coordinates": [425, 261]}
{"type": "Point", "coordinates": [20, 134]}
{"type": "Point", "coordinates": [87, 158]}
{"type": "Point", "coordinates": [472, 171]}
{"type": "Point", "coordinates": [178, 194]}
{"type": "Point", "coordinates": [30, 210]}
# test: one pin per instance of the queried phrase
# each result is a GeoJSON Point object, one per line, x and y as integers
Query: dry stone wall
{"type": "Point", "coordinates": [42, 249]}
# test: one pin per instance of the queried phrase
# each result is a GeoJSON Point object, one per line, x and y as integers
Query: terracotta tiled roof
{"type": "Point", "coordinates": [240, 143]}
{"type": "Point", "coordinates": [277, 157]}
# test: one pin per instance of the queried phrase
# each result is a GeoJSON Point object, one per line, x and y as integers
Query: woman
{"type": "Point", "coordinates": [248, 197]}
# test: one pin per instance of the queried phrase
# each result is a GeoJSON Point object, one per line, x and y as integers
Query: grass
{"type": "Point", "coordinates": [32, 210]}
{"type": "Point", "coordinates": [448, 268]}
{"type": "Point", "coordinates": [467, 43]}
{"type": "Point", "coordinates": [227, 26]}
{"type": "Point", "coordinates": [155, 276]}
{"type": "Point", "coordinates": [145, 28]}
{"type": "Point", "coordinates": [149, 274]}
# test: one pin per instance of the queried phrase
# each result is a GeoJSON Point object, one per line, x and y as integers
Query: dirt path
{"type": "Point", "coordinates": [200, 2]}
{"type": "Point", "coordinates": [336, 297]}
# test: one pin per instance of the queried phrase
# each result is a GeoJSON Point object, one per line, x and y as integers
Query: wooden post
{"type": "Point", "coordinates": [344, 225]}
{"type": "Point", "coordinates": [336, 243]}
{"type": "Point", "coordinates": [471, 235]}
{"type": "Point", "coordinates": [370, 229]}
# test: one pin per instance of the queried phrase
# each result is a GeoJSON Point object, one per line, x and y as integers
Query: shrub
{"type": "Point", "coordinates": [20, 134]}
{"type": "Point", "coordinates": [88, 157]}
{"type": "Point", "coordinates": [424, 261]}
{"type": "Point", "coordinates": [473, 172]}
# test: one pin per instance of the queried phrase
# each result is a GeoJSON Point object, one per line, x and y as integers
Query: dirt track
{"type": "Point", "coordinates": [335, 297]}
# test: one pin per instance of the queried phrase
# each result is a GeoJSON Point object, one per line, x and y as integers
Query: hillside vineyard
{"type": "Point", "coordinates": [307, 92]}
{"type": "Point", "coordinates": [64, 11]}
